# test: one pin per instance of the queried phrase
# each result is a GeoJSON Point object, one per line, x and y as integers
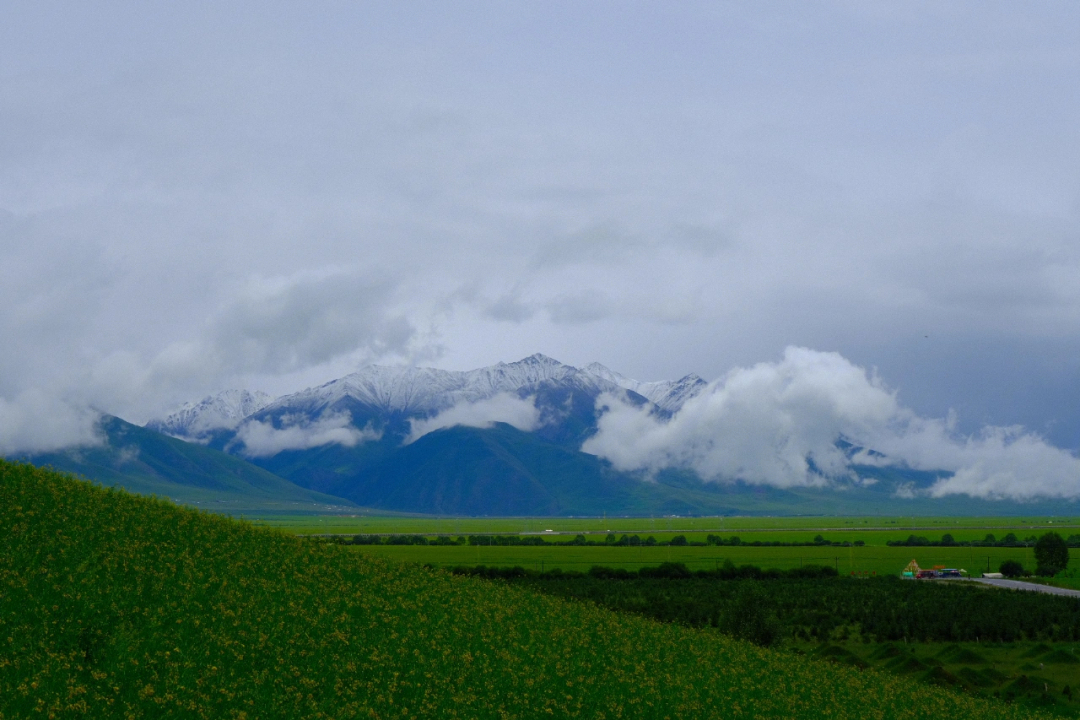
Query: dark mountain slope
{"type": "Point", "coordinates": [147, 462]}
{"type": "Point", "coordinates": [504, 471]}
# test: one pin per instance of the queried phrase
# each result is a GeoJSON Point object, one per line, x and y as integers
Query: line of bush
{"type": "Point", "coordinates": [947, 540]}
{"type": "Point", "coordinates": [665, 571]}
{"type": "Point", "coordinates": [609, 540]}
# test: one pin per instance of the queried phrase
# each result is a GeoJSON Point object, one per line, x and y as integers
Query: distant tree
{"type": "Point", "coordinates": [1011, 569]}
{"type": "Point", "coordinates": [1051, 554]}
{"type": "Point", "coordinates": [678, 540]}
{"type": "Point", "coordinates": [990, 538]}
{"type": "Point", "coordinates": [819, 540]}
{"type": "Point", "coordinates": [1010, 539]}
{"type": "Point", "coordinates": [947, 539]}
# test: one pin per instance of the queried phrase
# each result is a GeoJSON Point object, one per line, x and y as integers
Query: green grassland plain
{"type": "Point", "coordinates": [356, 524]}
{"type": "Point", "coordinates": [873, 556]}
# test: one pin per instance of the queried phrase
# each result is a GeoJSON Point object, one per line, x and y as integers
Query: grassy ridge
{"type": "Point", "coordinates": [118, 606]}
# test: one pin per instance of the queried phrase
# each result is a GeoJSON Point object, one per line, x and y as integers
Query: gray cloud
{"type": "Point", "coordinates": [280, 325]}
{"type": "Point", "coordinates": [35, 421]}
{"type": "Point", "coordinates": [269, 327]}
{"type": "Point", "coordinates": [663, 190]}
{"type": "Point", "coordinates": [583, 307]}
{"type": "Point", "coordinates": [510, 308]}
{"type": "Point", "coordinates": [778, 424]}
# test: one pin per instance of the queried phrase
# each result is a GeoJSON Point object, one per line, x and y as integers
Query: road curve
{"type": "Point", "coordinates": [1020, 585]}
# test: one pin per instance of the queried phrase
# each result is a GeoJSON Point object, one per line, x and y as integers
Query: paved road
{"type": "Point", "coordinates": [1019, 585]}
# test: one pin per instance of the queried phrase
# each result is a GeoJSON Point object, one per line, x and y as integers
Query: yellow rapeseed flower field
{"type": "Point", "coordinates": [113, 605]}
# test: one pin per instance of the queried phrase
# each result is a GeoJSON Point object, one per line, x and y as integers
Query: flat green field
{"type": "Point", "coordinates": [898, 527]}
{"type": "Point", "coordinates": [878, 559]}
{"type": "Point", "coordinates": [874, 557]}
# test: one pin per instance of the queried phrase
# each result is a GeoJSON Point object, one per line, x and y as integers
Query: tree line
{"type": "Point", "coordinates": [947, 540]}
{"type": "Point", "coordinates": [608, 540]}
{"type": "Point", "coordinates": [665, 571]}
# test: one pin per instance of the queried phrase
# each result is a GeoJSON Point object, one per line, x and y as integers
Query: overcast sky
{"type": "Point", "coordinates": [202, 196]}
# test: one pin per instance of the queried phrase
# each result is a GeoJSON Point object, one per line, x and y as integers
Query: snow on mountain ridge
{"type": "Point", "coordinates": [225, 410]}
{"type": "Point", "coordinates": [424, 391]}
{"type": "Point", "coordinates": [418, 391]}
{"type": "Point", "coordinates": [669, 395]}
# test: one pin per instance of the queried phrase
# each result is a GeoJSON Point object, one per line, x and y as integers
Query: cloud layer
{"type": "Point", "coordinates": [265, 328]}
{"type": "Point", "coordinates": [265, 195]}
{"type": "Point", "coordinates": [263, 439]}
{"type": "Point", "coordinates": [522, 413]}
{"type": "Point", "coordinates": [778, 424]}
{"type": "Point", "coordinates": [39, 422]}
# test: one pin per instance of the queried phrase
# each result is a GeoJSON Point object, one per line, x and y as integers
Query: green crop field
{"type": "Point", "coordinates": [357, 524]}
{"type": "Point", "coordinates": [113, 605]}
{"type": "Point", "coordinates": [874, 556]}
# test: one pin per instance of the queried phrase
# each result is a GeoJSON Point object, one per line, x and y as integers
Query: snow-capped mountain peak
{"type": "Point", "coordinates": [225, 410]}
{"type": "Point", "coordinates": [417, 392]}
{"type": "Point", "coordinates": [669, 395]}
{"type": "Point", "coordinates": [423, 391]}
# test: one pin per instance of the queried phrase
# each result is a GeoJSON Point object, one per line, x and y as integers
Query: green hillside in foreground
{"type": "Point", "coordinates": [113, 605]}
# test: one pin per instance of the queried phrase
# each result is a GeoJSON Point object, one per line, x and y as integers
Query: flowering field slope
{"type": "Point", "coordinates": [113, 605]}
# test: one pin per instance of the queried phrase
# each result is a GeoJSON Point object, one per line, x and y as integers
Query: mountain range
{"type": "Point", "coordinates": [499, 440]}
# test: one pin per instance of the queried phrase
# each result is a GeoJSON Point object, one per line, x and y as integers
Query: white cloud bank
{"type": "Point", "coordinates": [266, 328]}
{"type": "Point", "coordinates": [262, 439]}
{"type": "Point", "coordinates": [778, 423]}
{"type": "Point", "coordinates": [504, 407]}
{"type": "Point", "coordinates": [36, 421]}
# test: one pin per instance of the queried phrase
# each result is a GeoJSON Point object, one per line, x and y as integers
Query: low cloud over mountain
{"type": "Point", "coordinates": [262, 439]}
{"type": "Point", "coordinates": [521, 413]}
{"type": "Point", "coordinates": [810, 422]}
{"type": "Point", "coordinates": [779, 423]}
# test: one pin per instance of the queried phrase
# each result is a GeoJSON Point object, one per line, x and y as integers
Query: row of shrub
{"type": "Point", "coordinates": [664, 571]}
{"type": "Point", "coordinates": [610, 539]}
{"type": "Point", "coordinates": [947, 540]}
